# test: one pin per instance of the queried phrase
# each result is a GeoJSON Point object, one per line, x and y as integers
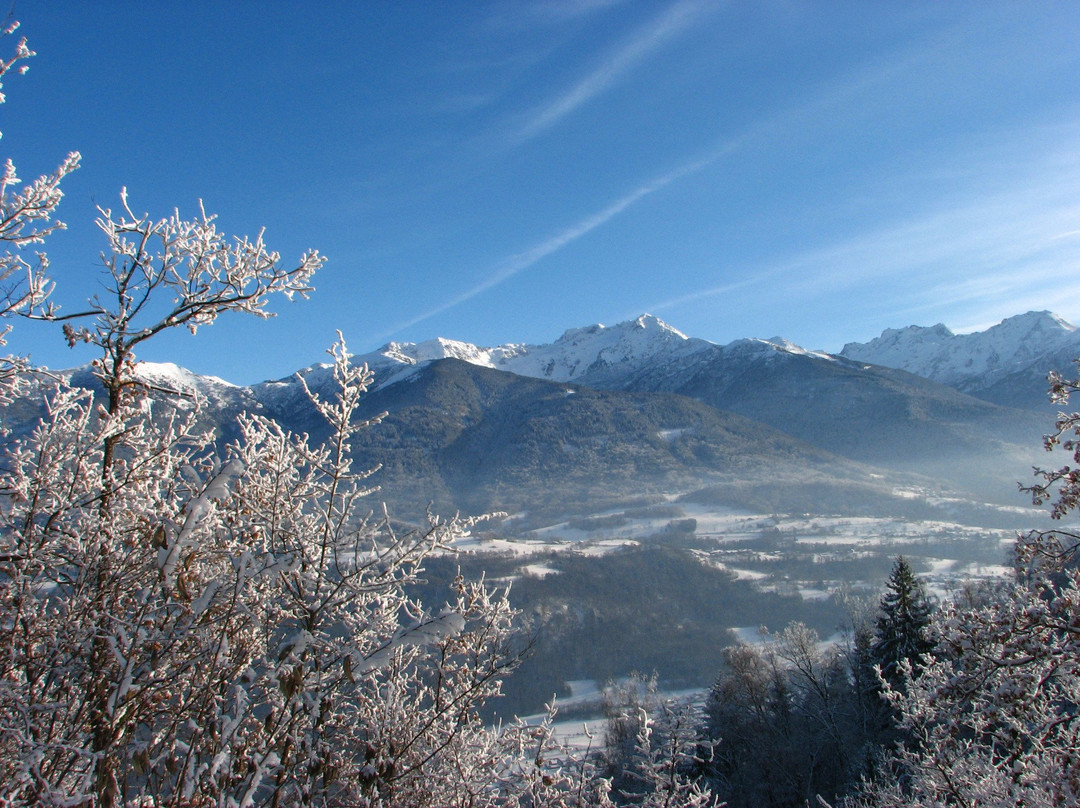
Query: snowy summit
{"type": "Point", "coordinates": [958, 359]}
{"type": "Point", "coordinates": [592, 349]}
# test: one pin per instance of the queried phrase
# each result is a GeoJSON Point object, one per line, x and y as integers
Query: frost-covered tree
{"type": "Point", "coordinates": [749, 730]}
{"type": "Point", "coordinates": [195, 628]}
{"type": "Point", "coordinates": [26, 218]}
{"type": "Point", "coordinates": [785, 722]}
{"type": "Point", "coordinates": [186, 625]}
{"type": "Point", "coordinates": [651, 751]}
{"type": "Point", "coordinates": [234, 631]}
{"type": "Point", "coordinates": [994, 717]}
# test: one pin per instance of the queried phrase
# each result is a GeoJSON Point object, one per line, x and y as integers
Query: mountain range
{"type": "Point", "coordinates": [640, 409]}
{"type": "Point", "coordinates": [1014, 355]}
{"type": "Point", "coordinates": [1006, 364]}
{"type": "Point", "coordinates": [665, 494]}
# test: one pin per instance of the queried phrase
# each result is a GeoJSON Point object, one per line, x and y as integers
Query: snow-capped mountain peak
{"type": "Point", "coordinates": [410, 353]}
{"type": "Point", "coordinates": [593, 348]}
{"type": "Point", "coordinates": [645, 328]}
{"type": "Point", "coordinates": [906, 348]}
{"type": "Point", "coordinates": [171, 377]}
{"type": "Point", "coordinates": [579, 351]}
{"type": "Point", "coordinates": [1002, 364]}
{"type": "Point", "coordinates": [1041, 325]}
{"type": "Point", "coordinates": [978, 358]}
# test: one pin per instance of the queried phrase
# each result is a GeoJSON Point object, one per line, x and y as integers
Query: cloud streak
{"type": "Point", "coordinates": [985, 254]}
{"type": "Point", "coordinates": [519, 262]}
{"type": "Point", "coordinates": [648, 39]}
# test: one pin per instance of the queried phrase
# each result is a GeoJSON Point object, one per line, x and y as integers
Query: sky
{"type": "Point", "coordinates": [497, 172]}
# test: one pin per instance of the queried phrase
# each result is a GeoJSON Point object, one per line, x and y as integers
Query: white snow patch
{"type": "Point", "coordinates": [604, 547]}
{"type": "Point", "coordinates": [539, 570]}
{"type": "Point", "coordinates": [749, 635]}
{"type": "Point", "coordinates": [519, 547]}
{"type": "Point", "coordinates": [787, 346]}
{"type": "Point", "coordinates": [741, 574]}
{"type": "Point", "coordinates": [976, 570]}
{"type": "Point", "coordinates": [672, 434]}
{"type": "Point", "coordinates": [941, 565]}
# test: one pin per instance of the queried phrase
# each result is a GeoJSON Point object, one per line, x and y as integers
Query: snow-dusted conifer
{"type": "Point", "coordinates": [903, 624]}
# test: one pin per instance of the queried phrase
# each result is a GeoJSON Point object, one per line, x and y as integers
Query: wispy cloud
{"type": "Point", "coordinates": [559, 11]}
{"type": "Point", "coordinates": [712, 291]}
{"type": "Point", "coordinates": [646, 40]}
{"type": "Point", "coordinates": [523, 16]}
{"type": "Point", "coordinates": [519, 262]}
{"type": "Point", "coordinates": [981, 254]}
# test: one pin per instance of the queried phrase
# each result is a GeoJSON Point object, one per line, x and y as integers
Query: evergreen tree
{"type": "Point", "coordinates": [903, 624]}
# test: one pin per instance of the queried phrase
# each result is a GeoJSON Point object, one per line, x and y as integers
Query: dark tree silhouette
{"type": "Point", "coordinates": [903, 625]}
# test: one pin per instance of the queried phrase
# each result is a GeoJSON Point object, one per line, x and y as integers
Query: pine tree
{"type": "Point", "coordinates": [903, 625]}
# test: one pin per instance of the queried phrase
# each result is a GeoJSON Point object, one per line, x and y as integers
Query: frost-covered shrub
{"type": "Point", "coordinates": [994, 715]}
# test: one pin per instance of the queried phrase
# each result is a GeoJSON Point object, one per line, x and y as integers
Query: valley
{"type": "Point", "coordinates": [662, 497]}
{"type": "Point", "coordinates": [766, 570]}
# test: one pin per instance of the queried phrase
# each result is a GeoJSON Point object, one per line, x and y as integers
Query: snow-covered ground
{"type": "Point", "coordinates": [586, 695]}
{"type": "Point", "coordinates": [732, 540]}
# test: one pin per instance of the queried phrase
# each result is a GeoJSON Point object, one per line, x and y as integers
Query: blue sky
{"type": "Point", "coordinates": [499, 171]}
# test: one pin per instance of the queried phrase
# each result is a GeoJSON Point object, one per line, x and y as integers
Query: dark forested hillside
{"type": "Point", "coordinates": [868, 413]}
{"type": "Point", "coordinates": [649, 609]}
{"type": "Point", "coordinates": [482, 439]}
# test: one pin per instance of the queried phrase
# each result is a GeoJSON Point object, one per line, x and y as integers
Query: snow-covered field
{"type": "Point", "coordinates": [587, 696]}
{"type": "Point", "coordinates": [946, 554]}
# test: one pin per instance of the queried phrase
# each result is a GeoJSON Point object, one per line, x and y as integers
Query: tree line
{"type": "Point", "coordinates": [792, 718]}
{"type": "Point", "coordinates": [971, 702]}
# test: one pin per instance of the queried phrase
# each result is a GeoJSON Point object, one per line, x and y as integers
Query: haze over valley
{"type": "Point", "coordinates": [782, 480]}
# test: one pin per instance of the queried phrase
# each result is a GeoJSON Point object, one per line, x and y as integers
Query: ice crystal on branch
{"type": "Point", "coordinates": [26, 218]}
{"type": "Point", "coordinates": [176, 272]}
